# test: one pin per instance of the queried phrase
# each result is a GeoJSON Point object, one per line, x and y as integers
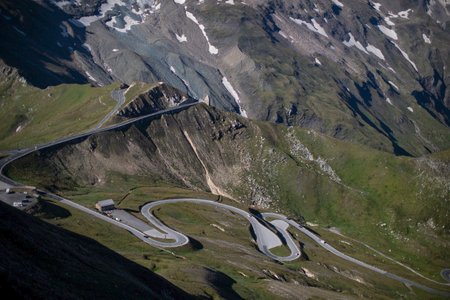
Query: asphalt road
{"type": "Point", "coordinates": [258, 228]}
{"type": "Point", "coordinates": [139, 234]}
{"type": "Point", "coordinates": [119, 96]}
{"type": "Point", "coordinates": [24, 152]}
{"type": "Point", "coordinates": [336, 252]}
{"type": "Point", "coordinates": [179, 238]}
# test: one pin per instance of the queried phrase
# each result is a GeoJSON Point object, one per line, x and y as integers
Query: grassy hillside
{"type": "Point", "coordinates": [226, 264]}
{"type": "Point", "coordinates": [31, 116]}
{"type": "Point", "coordinates": [395, 204]}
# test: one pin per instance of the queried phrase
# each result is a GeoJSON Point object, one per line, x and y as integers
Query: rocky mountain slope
{"type": "Point", "coordinates": [42, 261]}
{"type": "Point", "coordinates": [155, 98]}
{"type": "Point", "coordinates": [33, 116]}
{"type": "Point", "coordinates": [370, 193]}
{"type": "Point", "coordinates": [363, 71]}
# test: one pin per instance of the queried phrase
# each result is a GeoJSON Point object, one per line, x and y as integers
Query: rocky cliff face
{"type": "Point", "coordinates": [201, 148]}
{"type": "Point", "coordinates": [303, 173]}
{"type": "Point", "coordinates": [190, 149]}
{"type": "Point", "coordinates": [156, 98]}
{"type": "Point", "coordinates": [368, 72]}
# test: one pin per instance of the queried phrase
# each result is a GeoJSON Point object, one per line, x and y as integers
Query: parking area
{"type": "Point", "coordinates": [127, 218]}
{"type": "Point", "coordinates": [20, 200]}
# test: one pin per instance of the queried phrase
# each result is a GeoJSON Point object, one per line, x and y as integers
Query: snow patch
{"type": "Point", "coordinates": [393, 85]}
{"type": "Point", "coordinates": [104, 8]}
{"type": "Point", "coordinates": [389, 32]}
{"type": "Point", "coordinates": [402, 14]}
{"type": "Point", "coordinates": [405, 55]}
{"type": "Point", "coordinates": [389, 22]}
{"type": "Point", "coordinates": [405, 14]}
{"type": "Point", "coordinates": [426, 39]}
{"type": "Point", "coordinates": [108, 68]}
{"type": "Point", "coordinates": [376, 6]}
{"type": "Point", "coordinates": [283, 34]}
{"type": "Point", "coordinates": [172, 69]}
{"type": "Point", "coordinates": [179, 1]}
{"type": "Point", "coordinates": [317, 62]}
{"type": "Point", "coordinates": [392, 70]}
{"type": "Point", "coordinates": [410, 109]}
{"type": "Point", "coordinates": [88, 47]}
{"type": "Point", "coordinates": [389, 101]}
{"type": "Point", "coordinates": [235, 95]}
{"type": "Point", "coordinates": [181, 38]}
{"type": "Point", "coordinates": [375, 51]}
{"type": "Point", "coordinates": [138, 11]}
{"type": "Point", "coordinates": [352, 42]}
{"type": "Point", "coordinates": [61, 4]}
{"type": "Point", "coordinates": [128, 22]}
{"type": "Point", "coordinates": [313, 26]}
{"type": "Point", "coordinates": [115, 50]}
{"type": "Point", "coordinates": [211, 48]}
{"type": "Point", "coordinates": [90, 76]}
{"type": "Point", "coordinates": [336, 2]}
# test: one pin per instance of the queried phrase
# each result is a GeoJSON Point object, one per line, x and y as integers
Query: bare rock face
{"type": "Point", "coordinates": [155, 99]}
{"type": "Point", "coordinates": [371, 72]}
{"type": "Point", "coordinates": [189, 149]}
{"type": "Point", "coordinates": [205, 149]}
{"type": "Point", "coordinates": [80, 8]}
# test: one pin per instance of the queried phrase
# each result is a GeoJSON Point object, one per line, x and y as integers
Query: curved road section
{"type": "Point", "coordinates": [336, 252]}
{"type": "Point", "coordinates": [24, 152]}
{"type": "Point", "coordinates": [279, 222]}
{"type": "Point", "coordinates": [262, 233]}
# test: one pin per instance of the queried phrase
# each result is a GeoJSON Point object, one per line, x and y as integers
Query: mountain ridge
{"type": "Point", "coordinates": [347, 71]}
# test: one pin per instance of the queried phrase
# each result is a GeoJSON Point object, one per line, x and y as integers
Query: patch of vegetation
{"type": "Point", "coordinates": [136, 89]}
{"type": "Point", "coordinates": [32, 116]}
{"type": "Point", "coordinates": [380, 199]}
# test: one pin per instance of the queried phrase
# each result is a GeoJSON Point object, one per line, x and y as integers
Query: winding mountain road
{"type": "Point", "coordinates": [262, 239]}
{"type": "Point", "coordinates": [24, 152]}
{"type": "Point", "coordinates": [336, 252]}
{"type": "Point", "coordinates": [179, 239]}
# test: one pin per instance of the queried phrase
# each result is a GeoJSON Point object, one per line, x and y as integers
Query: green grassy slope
{"type": "Point", "coordinates": [230, 255]}
{"type": "Point", "coordinates": [31, 116]}
{"type": "Point", "coordinates": [397, 205]}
